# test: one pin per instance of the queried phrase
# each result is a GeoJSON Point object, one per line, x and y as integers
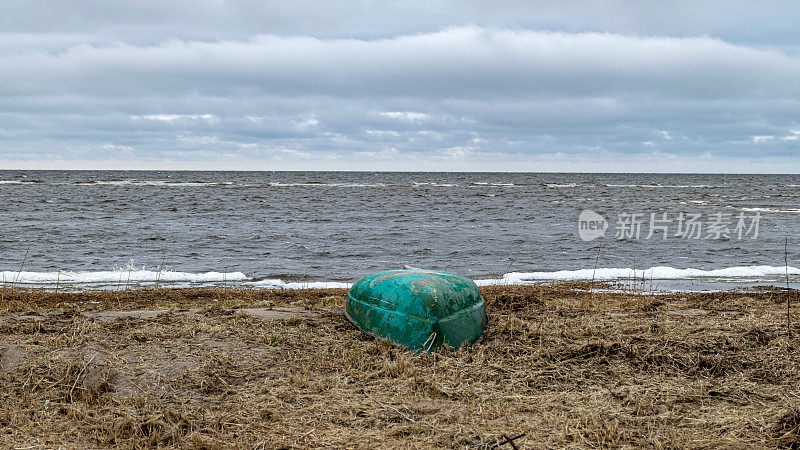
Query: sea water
{"type": "Point", "coordinates": [117, 229]}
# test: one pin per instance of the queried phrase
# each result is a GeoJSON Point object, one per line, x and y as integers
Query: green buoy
{"type": "Point", "coordinates": [418, 309]}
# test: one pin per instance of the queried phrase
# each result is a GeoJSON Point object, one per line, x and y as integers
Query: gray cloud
{"type": "Point", "coordinates": [471, 62]}
{"type": "Point", "coordinates": [271, 86]}
{"type": "Point", "coordinates": [152, 21]}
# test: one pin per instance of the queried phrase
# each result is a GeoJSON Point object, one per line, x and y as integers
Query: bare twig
{"type": "Point", "coordinates": [80, 374]}
{"type": "Point", "coordinates": [508, 269]}
{"type": "Point", "coordinates": [788, 294]}
{"type": "Point", "coordinates": [19, 274]}
{"type": "Point", "coordinates": [591, 285]}
{"type": "Point", "coordinates": [127, 283]}
{"type": "Point", "coordinates": [158, 275]}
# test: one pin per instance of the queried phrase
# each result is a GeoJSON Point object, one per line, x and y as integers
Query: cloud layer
{"type": "Point", "coordinates": [496, 96]}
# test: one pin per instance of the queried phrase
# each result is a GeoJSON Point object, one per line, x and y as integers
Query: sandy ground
{"type": "Point", "coordinates": [283, 369]}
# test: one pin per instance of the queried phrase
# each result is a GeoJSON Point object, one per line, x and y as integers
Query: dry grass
{"type": "Point", "coordinates": [566, 368]}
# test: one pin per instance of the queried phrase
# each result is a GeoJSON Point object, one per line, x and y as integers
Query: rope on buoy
{"type": "Point", "coordinates": [429, 342]}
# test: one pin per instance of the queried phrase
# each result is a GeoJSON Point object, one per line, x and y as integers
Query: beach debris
{"type": "Point", "coordinates": [510, 440]}
{"type": "Point", "coordinates": [418, 309]}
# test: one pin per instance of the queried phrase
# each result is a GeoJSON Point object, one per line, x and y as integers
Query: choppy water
{"type": "Point", "coordinates": [113, 228]}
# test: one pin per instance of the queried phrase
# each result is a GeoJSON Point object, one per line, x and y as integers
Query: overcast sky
{"type": "Point", "coordinates": [685, 86]}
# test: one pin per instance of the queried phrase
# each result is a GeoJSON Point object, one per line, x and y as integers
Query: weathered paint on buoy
{"type": "Point", "coordinates": [418, 309]}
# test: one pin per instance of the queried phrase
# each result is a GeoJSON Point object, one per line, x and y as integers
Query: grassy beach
{"type": "Point", "coordinates": [566, 367]}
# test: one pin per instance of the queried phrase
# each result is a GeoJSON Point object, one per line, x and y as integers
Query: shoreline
{"type": "Point", "coordinates": [241, 282]}
{"type": "Point", "coordinates": [124, 278]}
{"type": "Point", "coordinates": [34, 298]}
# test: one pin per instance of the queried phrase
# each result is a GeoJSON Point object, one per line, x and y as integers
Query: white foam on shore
{"type": "Point", "coordinates": [654, 273]}
{"type": "Point", "coordinates": [731, 274]}
{"type": "Point", "coordinates": [187, 279]}
{"type": "Point", "coordinates": [118, 276]}
{"type": "Point", "coordinates": [274, 283]}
